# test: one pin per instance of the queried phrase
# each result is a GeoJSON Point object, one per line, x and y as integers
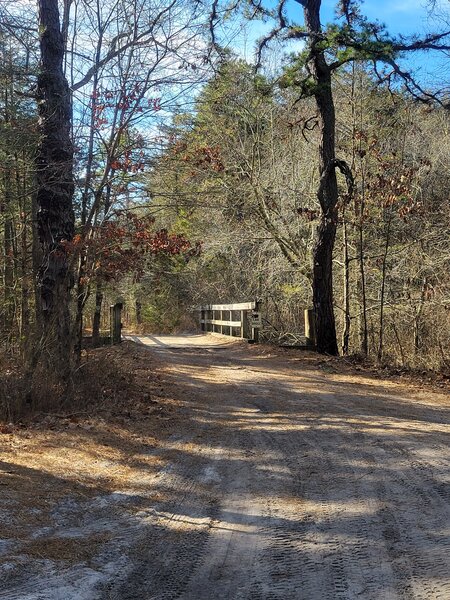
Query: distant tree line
{"type": "Point", "coordinates": [241, 174]}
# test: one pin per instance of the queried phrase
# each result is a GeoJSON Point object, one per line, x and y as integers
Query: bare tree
{"type": "Point", "coordinates": [143, 58]}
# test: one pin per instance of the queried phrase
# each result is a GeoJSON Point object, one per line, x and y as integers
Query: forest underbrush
{"type": "Point", "coordinates": [102, 383]}
{"type": "Point", "coordinates": [389, 369]}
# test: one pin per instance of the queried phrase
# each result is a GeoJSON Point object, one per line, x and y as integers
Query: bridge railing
{"type": "Point", "coordinates": [237, 320]}
{"type": "Point", "coordinates": [243, 320]}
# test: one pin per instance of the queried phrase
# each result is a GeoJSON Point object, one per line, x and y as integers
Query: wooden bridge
{"type": "Point", "coordinates": [241, 320]}
{"type": "Point", "coordinates": [244, 320]}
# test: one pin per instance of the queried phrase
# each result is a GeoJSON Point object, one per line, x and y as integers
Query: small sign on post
{"type": "Point", "coordinates": [255, 323]}
{"type": "Point", "coordinates": [256, 320]}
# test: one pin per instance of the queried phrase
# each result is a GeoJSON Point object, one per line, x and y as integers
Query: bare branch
{"type": "Point", "coordinates": [115, 51]}
{"type": "Point", "coordinates": [427, 43]}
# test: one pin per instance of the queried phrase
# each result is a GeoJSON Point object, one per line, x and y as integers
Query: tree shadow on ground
{"type": "Point", "coordinates": [345, 477]}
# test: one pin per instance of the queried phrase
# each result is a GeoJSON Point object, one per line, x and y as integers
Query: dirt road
{"type": "Point", "coordinates": [286, 484]}
{"type": "Point", "coordinates": [282, 481]}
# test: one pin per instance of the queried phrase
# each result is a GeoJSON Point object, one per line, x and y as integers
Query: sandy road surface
{"type": "Point", "coordinates": [285, 484]}
{"type": "Point", "coordinates": [282, 480]}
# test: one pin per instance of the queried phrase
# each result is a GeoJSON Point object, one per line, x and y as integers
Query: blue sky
{"type": "Point", "coordinates": [400, 17]}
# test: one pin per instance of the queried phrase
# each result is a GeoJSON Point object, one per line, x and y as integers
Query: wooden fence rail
{"type": "Point", "coordinates": [230, 319]}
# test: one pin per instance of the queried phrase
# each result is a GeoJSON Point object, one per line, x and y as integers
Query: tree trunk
{"type": "Point", "coordinates": [346, 290]}
{"type": "Point", "coordinates": [22, 193]}
{"type": "Point", "coordinates": [363, 329]}
{"type": "Point", "coordinates": [36, 261]}
{"type": "Point", "coordinates": [55, 188]}
{"type": "Point", "coordinates": [82, 295]}
{"type": "Point", "coordinates": [8, 240]}
{"type": "Point", "coordinates": [328, 189]}
{"type": "Point", "coordinates": [138, 305]}
{"type": "Point", "coordinates": [25, 291]}
{"type": "Point", "coordinates": [383, 284]}
{"type": "Point", "coordinates": [360, 246]}
{"type": "Point", "coordinates": [418, 316]}
{"type": "Point", "coordinates": [82, 288]}
{"type": "Point", "coordinates": [8, 277]}
{"type": "Point", "coordinates": [323, 287]}
{"type": "Point", "coordinates": [97, 315]}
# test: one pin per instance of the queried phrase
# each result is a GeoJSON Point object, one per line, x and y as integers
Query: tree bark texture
{"type": "Point", "coordinates": [8, 241]}
{"type": "Point", "coordinates": [328, 189]}
{"type": "Point", "coordinates": [346, 290]}
{"type": "Point", "coordinates": [8, 261]}
{"type": "Point", "coordinates": [138, 305]}
{"type": "Point", "coordinates": [22, 193]}
{"type": "Point", "coordinates": [55, 188]}
{"type": "Point", "coordinates": [97, 315]}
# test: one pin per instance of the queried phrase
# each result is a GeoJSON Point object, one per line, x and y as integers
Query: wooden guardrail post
{"type": "Point", "coordinates": [256, 326]}
{"type": "Point", "coordinates": [310, 327]}
{"type": "Point", "coordinates": [116, 322]}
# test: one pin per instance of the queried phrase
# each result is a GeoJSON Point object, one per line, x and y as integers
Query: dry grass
{"type": "Point", "coordinates": [101, 380]}
{"type": "Point", "coordinates": [66, 549]}
{"type": "Point", "coordinates": [80, 453]}
{"type": "Point", "coordinates": [358, 366]}
{"type": "Point", "coordinates": [11, 389]}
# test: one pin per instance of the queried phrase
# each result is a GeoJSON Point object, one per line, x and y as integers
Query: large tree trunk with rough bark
{"type": "Point", "coordinates": [323, 285]}
{"type": "Point", "coordinates": [55, 188]}
{"type": "Point", "coordinates": [328, 189]}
